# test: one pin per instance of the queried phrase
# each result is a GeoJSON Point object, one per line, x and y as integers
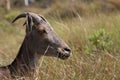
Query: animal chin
{"type": "Point", "coordinates": [63, 55]}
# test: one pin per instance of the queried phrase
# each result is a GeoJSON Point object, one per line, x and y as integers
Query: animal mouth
{"type": "Point", "coordinates": [63, 55]}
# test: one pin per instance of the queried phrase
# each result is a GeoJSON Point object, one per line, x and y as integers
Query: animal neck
{"type": "Point", "coordinates": [26, 61]}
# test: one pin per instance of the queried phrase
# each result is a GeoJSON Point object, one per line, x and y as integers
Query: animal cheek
{"type": "Point", "coordinates": [50, 51]}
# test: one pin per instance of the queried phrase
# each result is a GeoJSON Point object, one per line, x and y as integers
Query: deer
{"type": "Point", "coordinates": [40, 40]}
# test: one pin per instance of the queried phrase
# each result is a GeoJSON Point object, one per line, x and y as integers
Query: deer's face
{"type": "Point", "coordinates": [46, 42]}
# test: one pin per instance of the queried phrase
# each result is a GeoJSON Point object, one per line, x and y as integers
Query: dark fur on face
{"type": "Point", "coordinates": [40, 39]}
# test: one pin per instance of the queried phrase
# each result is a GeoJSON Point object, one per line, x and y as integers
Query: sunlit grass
{"type": "Point", "coordinates": [81, 65]}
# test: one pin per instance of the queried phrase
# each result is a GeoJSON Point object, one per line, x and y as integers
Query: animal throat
{"type": "Point", "coordinates": [25, 62]}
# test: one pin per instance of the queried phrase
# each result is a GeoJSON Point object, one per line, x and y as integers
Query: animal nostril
{"type": "Point", "coordinates": [67, 49]}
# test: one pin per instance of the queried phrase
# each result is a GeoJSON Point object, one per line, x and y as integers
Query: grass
{"type": "Point", "coordinates": [91, 65]}
{"type": "Point", "coordinates": [84, 64]}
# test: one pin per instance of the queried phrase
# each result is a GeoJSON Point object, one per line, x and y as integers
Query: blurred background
{"type": "Point", "coordinates": [90, 27]}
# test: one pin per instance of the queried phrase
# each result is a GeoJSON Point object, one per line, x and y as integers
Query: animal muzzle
{"type": "Point", "coordinates": [64, 53]}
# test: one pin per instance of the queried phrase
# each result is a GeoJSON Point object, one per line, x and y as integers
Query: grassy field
{"type": "Point", "coordinates": [94, 41]}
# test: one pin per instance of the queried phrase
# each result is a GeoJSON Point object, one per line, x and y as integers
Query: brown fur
{"type": "Point", "coordinates": [40, 39]}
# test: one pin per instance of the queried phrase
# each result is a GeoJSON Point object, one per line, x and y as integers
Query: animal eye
{"type": "Point", "coordinates": [42, 31]}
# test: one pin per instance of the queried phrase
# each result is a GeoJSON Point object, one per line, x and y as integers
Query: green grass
{"type": "Point", "coordinates": [83, 64]}
{"type": "Point", "coordinates": [95, 65]}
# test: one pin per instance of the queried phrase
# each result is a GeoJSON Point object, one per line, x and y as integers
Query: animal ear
{"type": "Point", "coordinates": [28, 23]}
